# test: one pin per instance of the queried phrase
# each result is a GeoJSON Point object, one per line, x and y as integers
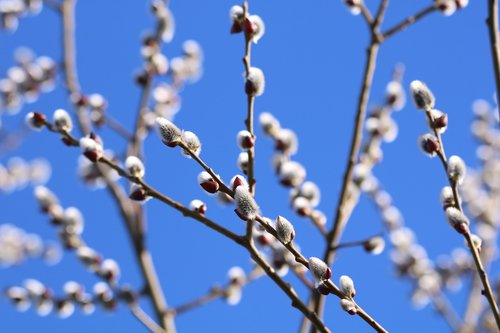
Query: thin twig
{"type": "Point", "coordinates": [487, 291]}
{"type": "Point", "coordinates": [135, 146]}
{"type": "Point", "coordinates": [409, 21]}
{"type": "Point", "coordinates": [287, 288]}
{"type": "Point", "coordinates": [250, 105]}
{"type": "Point", "coordinates": [492, 23]}
{"type": "Point", "coordinates": [444, 308]}
{"type": "Point", "coordinates": [354, 243]}
{"type": "Point", "coordinates": [367, 15]}
{"type": "Point", "coordinates": [130, 219]}
{"type": "Point", "coordinates": [215, 293]}
{"type": "Point", "coordinates": [117, 127]}
{"type": "Point", "coordinates": [145, 319]}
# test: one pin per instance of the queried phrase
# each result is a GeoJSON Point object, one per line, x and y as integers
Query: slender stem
{"type": "Point", "coordinates": [70, 73]}
{"type": "Point", "coordinates": [145, 319]}
{"type": "Point", "coordinates": [487, 291]}
{"type": "Point", "coordinates": [492, 23]}
{"type": "Point", "coordinates": [135, 146]}
{"type": "Point", "coordinates": [215, 293]}
{"type": "Point", "coordinates": [409, 21]}
{"type": "Point", "coordinates": [367, 15]}
{"type": "Point", "coordinates": [222, 185]}
{"type": "Point", "coordinates": [250, 106]}
{"type": "Point", "coordinates": [445, 309]}
{"type": "Point", "coordinates": [117, 127]}
{"type": "Point", "coordinates": [287, 289]}
{"type": "Point", "coordinates": [379, 17]}
{"type": "Point", "coordinates": [343, 208]}
{"type": "Point", "coordinates": [144, 258]}
{"type": "Point", "coordinates": [353, 243]}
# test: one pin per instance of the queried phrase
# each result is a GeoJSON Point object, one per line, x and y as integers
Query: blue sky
{"type": "Point", "coordinates": [313, 56]}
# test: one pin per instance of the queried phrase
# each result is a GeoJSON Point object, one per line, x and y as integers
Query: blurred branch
{"type": "Point", "coordinates": [492, 23]}
{"type": "Point", "coordinates": [143, 256]}
{"type": "Point", "coordinates": [444, 308]}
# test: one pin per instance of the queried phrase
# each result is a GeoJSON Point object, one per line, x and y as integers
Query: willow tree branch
{"type": "Point", "coordinates": [145, 319]}
{"type": "Point", "coordinates": [492, 23]}
{"type": "Point", "coordinates": [250, 106]}
{"type": "Point", "coordinates": [487, 291]}
{"type": "Point", "coordinates": [135, 146]}
{"type": "Point", "coordinates": [131, 220]}
{"type": "Point", "coordinates": [409, 21]}
{"type": "Point", "coordinates": [444, 308]}
{"type": "Point", "coordinates": [287, 289]}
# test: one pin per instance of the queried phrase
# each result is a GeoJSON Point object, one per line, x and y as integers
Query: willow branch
{"type": "Point", "coordinates": [145, 319]}
{"type": "Point", "coordinates": [409, 21]}
{"type": "Point", "coordinates": [487, 291]}
{"type": "Point", "coordinates": [143, 256]}
{"type": "Point", "coordinates": [492, 23]}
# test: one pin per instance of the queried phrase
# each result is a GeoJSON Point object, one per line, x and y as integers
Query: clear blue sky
{"type": "Point", "coordinates": [313, 57]}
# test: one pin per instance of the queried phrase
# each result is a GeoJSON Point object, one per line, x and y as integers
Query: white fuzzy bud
{"type": "Point", "coordinates": [236, 275]}
{"type": "Point", "coordinates": [73, 290]}
{"type": "Point", "coordinates": [446, 7]}
{"type": "Point", "coordinates": [73, 221]}
{"type": "Point", "coordinates": [91, 149]}
{"type": "Point", "coordinates": [109, 270]}
{"type": "Point", "coordinates": [319, 270]}
{"type": "Point", "coordinates": [245, 140]}
{"type": "Point", "coordinates": [255, 82]}
{"type": "Point", "coordinates": [62, 120]}
{"type": "Point", "coordinates": [19, 297]}
{"type": "Point", "coordinates": [238, 180]}
{"type": "Point", "coordinates": [428, 144]}
{"type": "Point", "coordinates": [456, 169]}
{"type": "Point", "coordinates": [169, 134]}
{"type": "Point", "coordinates": [461, 3]}
{"type": "Point", "coordinates": [457, 219]}
{"type": "Point", "coordinates": [35, 120]}
{"type": "Point", "coordinates": [198, 206]}
{"type": "Point", "coordinates": [447, 198]}
{"type": "Point", "coordinates": [246, 207]}
{"type": "Point", "coordinates": [286, 141]}
{"type": "Point", "coordinates": [207, 182]}
{"type": "Point", "coordinates": [354, 6]}
{"type": "Point", "coordinates": [439, 121]}
{"type": "Point", "coordinates": [242, 161]}
{"type": "Point", "coordinates": [348, 306]}
{"type": "Point", "coordinates": [476, 241]}
{"type": "Point", "coordinates": [285, 230]}
{"type": "Point", "coordinates": [258, 28]}
{"type": "Point", "coordinates": [302, 206]}
{"type": "Point", "coordinates": [65, 308]}
{"type": "Point", "coordinates": [347, 286]}
{"type": "Point", "coordinates": [269, 124]}
{"type": "Point", "coordinates": [89, 257]}
{"type": "Point", "coordinates": [422, 95]}
{"type": "Point", "coordinates": [292, 173]}
{"type": "Point", "coordinates": [309, 191]}
{"type": "Point", "coordinates": [134, 166]}
{"type": "Point", "coordinates": [395, 95]}
{"type": "Point", "coordinates": [374, 245]}
{"type": "Point", "coordinates": [45, 197]}
{"type": "Point", "coordinates": [192, 142]}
